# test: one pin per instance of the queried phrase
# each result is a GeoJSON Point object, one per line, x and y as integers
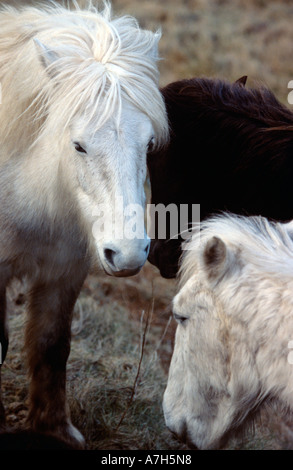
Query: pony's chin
{"type": "Point", "coordinates": [122, 272]}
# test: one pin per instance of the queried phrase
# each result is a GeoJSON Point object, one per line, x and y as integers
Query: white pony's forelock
{"type": "Point", "coordinates": [264, 243]}
{"type": "Point", "coordinates": [99, 61]}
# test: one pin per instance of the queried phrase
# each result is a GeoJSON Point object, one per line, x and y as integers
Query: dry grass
{"type": "Point", "coordinates": [114, 391]}
{"type": "Point", "coordinates": [224, 38]}
{"type": "Point", "coordinates": [115, 376]}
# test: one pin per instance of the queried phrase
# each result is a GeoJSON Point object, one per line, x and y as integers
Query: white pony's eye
{"type": "Point", "coordinates": [79, 148]}
{"type": "Point", "coordinates": [180, 318]}
{"type": "Point", "coordinates": [151, 144]}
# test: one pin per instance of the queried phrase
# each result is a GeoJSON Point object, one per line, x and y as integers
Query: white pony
{"type": "Point", "coordinates": [235, 323]}
{"type": "Point", "coordinates": [80, 108]}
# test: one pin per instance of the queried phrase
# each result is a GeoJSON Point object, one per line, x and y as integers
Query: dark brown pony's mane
{"type": "Point", "coordinates": [250, 119]}
{"type": "Point", "coordinates": [216, 95]}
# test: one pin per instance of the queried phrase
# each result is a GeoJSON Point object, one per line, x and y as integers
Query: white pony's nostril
{"type": "Point", "coordinates": [147, 248]}
{"type": "Point", "coordinates": [109, 256]}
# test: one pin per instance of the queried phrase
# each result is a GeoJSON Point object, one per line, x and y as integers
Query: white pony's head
{"type": "Point", "coordinates": [235, 318]}
{"type": "Point", "coordinates": [103, 111]}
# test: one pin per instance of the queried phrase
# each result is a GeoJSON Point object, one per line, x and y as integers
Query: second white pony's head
{"type": "Point", "coordinates": [102, 80]}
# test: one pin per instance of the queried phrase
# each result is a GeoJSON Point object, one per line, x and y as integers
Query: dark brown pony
{"type": "Point", "coordinates": [231, 149]}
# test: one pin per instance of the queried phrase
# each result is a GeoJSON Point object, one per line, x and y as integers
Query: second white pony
{"type": "Point", "coordinates": [235, 322]}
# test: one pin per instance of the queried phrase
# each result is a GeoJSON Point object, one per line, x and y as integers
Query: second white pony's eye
{"type": "Point", "coordinates": [79, 148]}
{"type": "Point", "coordinates": [180, 318]}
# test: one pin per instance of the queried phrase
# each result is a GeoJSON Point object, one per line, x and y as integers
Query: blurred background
{"type": "Point", "coordinates": [123, 330]}
{"type": "Point", "coordinates": [221, 38]}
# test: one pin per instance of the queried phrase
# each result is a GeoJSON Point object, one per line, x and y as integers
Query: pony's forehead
{"type": "Point", "coordinates": [131, 121]}
{"type": "Point", "coordinates": [187, 293]}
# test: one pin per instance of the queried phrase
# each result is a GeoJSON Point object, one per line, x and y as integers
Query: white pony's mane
{"type": "Point", "coordinates": [261, 242]}
{"type": "Point", "coordinates": [99, 61]}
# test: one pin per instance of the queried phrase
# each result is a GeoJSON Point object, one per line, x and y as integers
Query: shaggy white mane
{"type": "Point", "coordinates": [98, 61]}
{"type": "Point", "coordinates": [258, 241]}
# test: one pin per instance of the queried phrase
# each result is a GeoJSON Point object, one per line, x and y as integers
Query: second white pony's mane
{"type": "Point", "coordinates": [98, 60]}
{"type": "Point", "coordinates": [259, 241]}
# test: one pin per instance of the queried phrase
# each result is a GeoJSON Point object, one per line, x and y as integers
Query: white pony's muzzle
{"type": "Point", "coordinates": [125, 257]}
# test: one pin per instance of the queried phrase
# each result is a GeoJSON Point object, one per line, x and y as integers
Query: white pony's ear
{"type": "Point", "coordinates": [154, 50]}
{"type": "Point", "coordinates": [47, 55]}
{"type": "Point", "coordinates": [215, 257]}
